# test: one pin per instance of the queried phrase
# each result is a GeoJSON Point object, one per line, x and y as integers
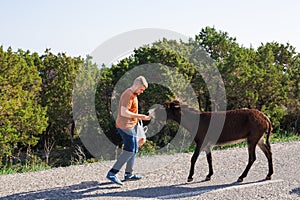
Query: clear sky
{"type": "Point", "coordinates": [77, 27]}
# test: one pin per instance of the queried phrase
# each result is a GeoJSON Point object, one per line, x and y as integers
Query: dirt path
{"type": "Point", "coordinates": [165, 178]}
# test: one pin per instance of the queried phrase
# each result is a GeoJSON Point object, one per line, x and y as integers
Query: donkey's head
{"type": "Point", "coordinates": [171, 109]}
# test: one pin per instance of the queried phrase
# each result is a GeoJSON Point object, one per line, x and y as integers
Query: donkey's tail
{"type": "Point", "coordinates": [270, 128]}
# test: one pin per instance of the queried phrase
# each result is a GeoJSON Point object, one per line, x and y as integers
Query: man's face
{"type": "Point", "coordinates": [139, 90]}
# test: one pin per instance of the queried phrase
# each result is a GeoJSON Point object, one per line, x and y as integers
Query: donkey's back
{"type": "Point", "coordinates": [238, 125]}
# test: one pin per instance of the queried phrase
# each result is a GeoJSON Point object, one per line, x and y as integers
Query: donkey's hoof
{"type": "Point", "coordinates": [208, 178]}
{"type": "Point", "coordinates": [240, 180]}
{"type": "Point", "coordinates": [268, 178]}
{"type": "Point", "coordinates": [190, 180]}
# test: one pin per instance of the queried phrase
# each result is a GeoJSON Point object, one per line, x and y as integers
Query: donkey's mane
{"type": "Point", "coordinates": [190, 109]}
{"type": "Point", "coordinates": [185, 107]}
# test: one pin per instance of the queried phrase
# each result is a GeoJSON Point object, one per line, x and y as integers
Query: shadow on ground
{"type": "Point", "coordinates": [296, 191]}
{"type": "Point", "coordinates": [94, 189]}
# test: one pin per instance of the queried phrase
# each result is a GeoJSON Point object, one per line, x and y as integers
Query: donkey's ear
{"type": "Point", "coordinates": [167, 105]}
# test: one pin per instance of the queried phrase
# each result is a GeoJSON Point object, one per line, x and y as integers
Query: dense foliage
{"type": "Point", "coordinates": [36, 91]}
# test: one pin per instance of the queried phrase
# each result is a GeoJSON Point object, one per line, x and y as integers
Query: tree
{"type": "Point", "coordinates": [58, 74]}
{"type": "Point", "coordinates": [217, 44]}
{"type": "Point", "coordinates": [286, 59]}
{"type": "Point", "coordinates": [253, 78]}
{"type": "Point", "coordinates": [22, 118]}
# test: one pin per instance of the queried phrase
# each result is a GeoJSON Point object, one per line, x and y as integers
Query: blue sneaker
{"type": "Point", "coordinates": [132, 177]}
{"type": "Point", "coordinates": [112, 177]}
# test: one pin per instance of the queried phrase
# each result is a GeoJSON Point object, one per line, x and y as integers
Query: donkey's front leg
{"type": "Point", "coordinates": [193, 161]}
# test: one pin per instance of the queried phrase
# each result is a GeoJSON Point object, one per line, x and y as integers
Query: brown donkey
{"type": "Point", "coordinates": [239, 125]}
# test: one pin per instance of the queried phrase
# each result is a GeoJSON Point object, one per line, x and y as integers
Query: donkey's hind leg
{"type": "Point", "coordinates": [268, 153]}
{"type": "Point", "coordinates": [252, 158]}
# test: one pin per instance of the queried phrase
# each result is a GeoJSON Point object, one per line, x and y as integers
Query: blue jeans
{"type": "Point", "coordinates": [129, 151]}
{"type": "Point", "coordinates": [129, 140]}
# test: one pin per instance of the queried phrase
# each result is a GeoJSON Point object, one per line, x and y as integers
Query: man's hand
{"type": "Point", "coordinates": [145, 117]}
{"type": "Point", "coordinates": [126, 113]}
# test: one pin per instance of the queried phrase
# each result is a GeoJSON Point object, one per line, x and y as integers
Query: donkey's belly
{"type": "Point", "coordinates": [229, 142]}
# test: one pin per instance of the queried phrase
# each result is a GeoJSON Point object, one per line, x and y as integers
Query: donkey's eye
{"type": "Point", "coordinates": [166, 105]}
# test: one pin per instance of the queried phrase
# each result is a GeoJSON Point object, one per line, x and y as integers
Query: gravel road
{"type": "Point", "coordinates": [164, 177]}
